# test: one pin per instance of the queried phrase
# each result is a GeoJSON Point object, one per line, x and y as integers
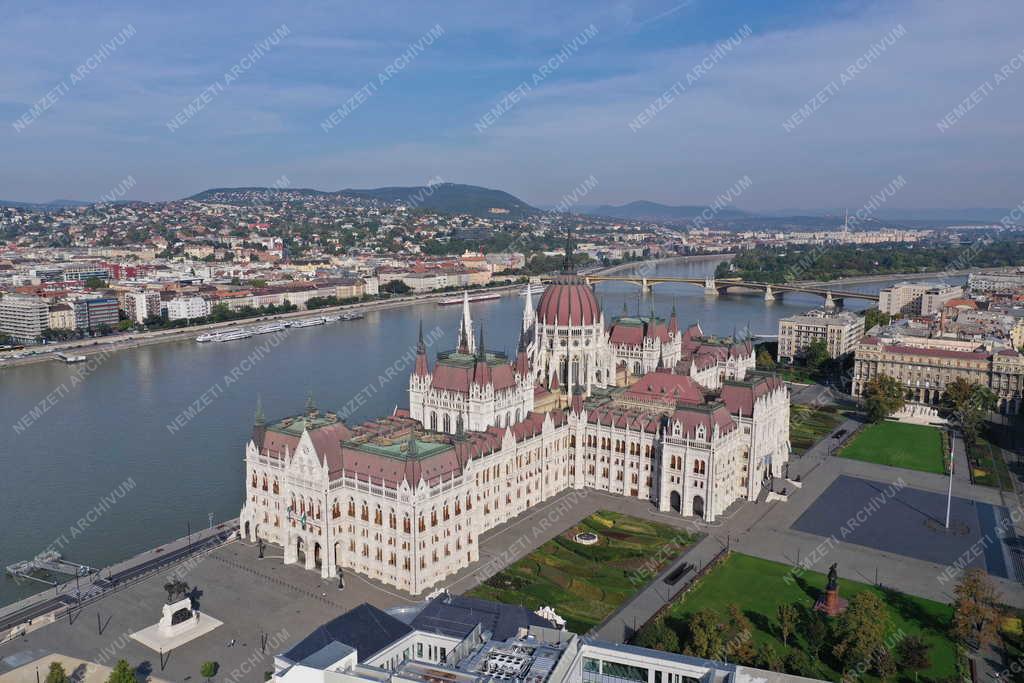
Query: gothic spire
{"type": "Point", "coordinates": [420, 346]}
{"type": "Point", "coordinates": [568, 265]}
{"type": "Point", "coordinates": [259, 419]}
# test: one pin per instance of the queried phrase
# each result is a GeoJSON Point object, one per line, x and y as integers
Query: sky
{"type": "Point", "coordinates": [814, 104]}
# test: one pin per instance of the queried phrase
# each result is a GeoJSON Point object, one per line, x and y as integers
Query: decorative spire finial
{"type": "Point", "coordinates": [568, 265]}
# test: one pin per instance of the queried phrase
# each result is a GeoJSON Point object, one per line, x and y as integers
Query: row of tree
{"type": "Point", "coordinates": [860, 640]}
{"type": "Point", "coordinates": [122, 673]}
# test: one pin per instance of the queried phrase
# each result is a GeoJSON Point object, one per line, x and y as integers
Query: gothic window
{"type": "Point", "coordinates": [433, 421]}
{"type": "Point", "coordinates": [447, 424]}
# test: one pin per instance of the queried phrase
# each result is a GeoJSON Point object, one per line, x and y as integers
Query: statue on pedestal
{"type": "Point", "coordinates": [830, 603]}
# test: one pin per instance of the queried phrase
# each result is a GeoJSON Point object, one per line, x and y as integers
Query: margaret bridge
{"type": "Point", "coordinates": [772, 291]}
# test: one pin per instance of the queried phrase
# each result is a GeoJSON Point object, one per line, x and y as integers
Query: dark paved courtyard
{"type": "Point", "coordinates": [909, 522]}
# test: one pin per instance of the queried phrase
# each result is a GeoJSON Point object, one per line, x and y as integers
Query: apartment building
{"type": "Point", "coordinates": [840, 330]}
{"type": "Point", "coordinates": [141, 305]}
{"type": "Point", "coordinates": [925, 366]}
{"type": "Point", "coordinates": [188, 308]}
{"type": "Point", "coordinates": [916, 298]}
{"type": "Point", "coordinates": [23, 318]}
{"type": "Point", "coordinates": [91, 314]}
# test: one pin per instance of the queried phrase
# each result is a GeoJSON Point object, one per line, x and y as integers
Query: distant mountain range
{"type": "Point", "coordinates": [653, 211]}
{"type": "Point", "coordinates": [486, 202]}
{"type": "Point", "coordinates": [441, 197]}
{"type": "Point", "coordinates": [45, 206]}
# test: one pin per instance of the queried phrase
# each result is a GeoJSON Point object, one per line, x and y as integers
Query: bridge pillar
{"type": "Point", "coordinates": [768, 294]}
{"type": "Point", "coordinates": [830, 303]}
{"type": "Point", "coordinates": [586, 280]}
{"type": "Point", "coordinates": [647, 286]}
{"type": "Point", "coordinates": [709, 286]}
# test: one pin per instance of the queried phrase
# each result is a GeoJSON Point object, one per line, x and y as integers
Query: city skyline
{"type": "Point", "coordinates": [818, 107]}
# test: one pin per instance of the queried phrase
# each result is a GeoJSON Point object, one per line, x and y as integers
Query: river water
{"type": "Point", "coordinates": [117, 463]}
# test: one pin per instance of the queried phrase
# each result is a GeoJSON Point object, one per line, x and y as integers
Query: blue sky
{"type": "Point", "coordinates": [573, 123]}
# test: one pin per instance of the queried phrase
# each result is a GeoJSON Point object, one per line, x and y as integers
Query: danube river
{"type": "Point", "coordinates": [150, 440]}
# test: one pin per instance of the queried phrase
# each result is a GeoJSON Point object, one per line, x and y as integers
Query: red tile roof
{"type": "Point", "coordinates": [568, 301]}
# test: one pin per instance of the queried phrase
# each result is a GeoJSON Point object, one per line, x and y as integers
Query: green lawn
{"type": "Point", "coordinates": [808, 425]}
{"type": "Point", "coordinates": [759, 587]}
{"type": "Point", "coordinates": [584, 584]}
{"type": "Point", "coordinates": [916, 447]}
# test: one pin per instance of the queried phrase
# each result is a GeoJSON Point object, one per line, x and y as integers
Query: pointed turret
{"type": "Point", "coordinates": [577, 399]}
{"type": "Point", "coordinates": [528, 310]}
{"type": "Point", "coordinates": [673, 322]}
{"type": "Point", "coordinates": [661, 358]}
{"type": "Point", "coordinates": [482, 371]}
{"type": "Point", "coordinates": [466, 331]}
{"type": "Point", "coordinates": [310, 404]}
{"type": "Point", "coordinates": [568, 263]}
{"type": "Point", "coordinates": [422, 370]}
{"type": "Point", "coordinates": [522, 366]}
{"type": "Point", "coordinates": [259, 426]}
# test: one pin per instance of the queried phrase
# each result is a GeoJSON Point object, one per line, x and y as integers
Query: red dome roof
{"type": "Point", "coordinates": [568, 301]}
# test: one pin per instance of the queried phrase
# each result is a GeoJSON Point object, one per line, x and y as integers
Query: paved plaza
{"type": "Point", "coordinates": [263, 601]}
{"type": "Point", "coordinates": [910, 522]}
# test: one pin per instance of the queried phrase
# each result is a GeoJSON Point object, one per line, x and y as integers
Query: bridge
{"type": "Point", "coordinates": [772, 291]}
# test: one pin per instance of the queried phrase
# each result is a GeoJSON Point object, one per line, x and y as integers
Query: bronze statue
{"type": "Point", "coordinates": [833, 577]}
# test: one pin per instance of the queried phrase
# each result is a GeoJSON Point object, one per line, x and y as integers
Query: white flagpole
{"type": "Point", "coordinates": [949, 497]}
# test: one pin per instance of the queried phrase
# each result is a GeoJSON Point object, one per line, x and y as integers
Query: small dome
{"type": "Point", "coordinates": [568, 300]}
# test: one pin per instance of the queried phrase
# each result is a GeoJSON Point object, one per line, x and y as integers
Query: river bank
{"type": "Point", "coordinates": [107, 345]}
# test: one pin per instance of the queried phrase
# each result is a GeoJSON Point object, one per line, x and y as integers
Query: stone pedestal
{"type": "Point", "coordinates": [178, 625]}
{"type": "Point", "coordinates": [831, 604]}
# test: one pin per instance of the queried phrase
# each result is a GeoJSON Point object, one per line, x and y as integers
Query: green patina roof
{"type": "Point", "coordinates": [399, 449]}
{"type": "Point", "coordinates": [637, 321]}
{"type": "Point", "coordinates": [468, 360]}
{"type": "Point", "coordinates": [294, 426]}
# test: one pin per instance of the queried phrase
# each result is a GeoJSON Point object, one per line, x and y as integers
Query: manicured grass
{"type": "Point", "coordinates": [807, 425]}
{"type": "Point", "coordinates": [584, 584]}
{"type": "Point", "coordinates": [916, 447]}
{"type": "Point", "coordinates": [759, 586]}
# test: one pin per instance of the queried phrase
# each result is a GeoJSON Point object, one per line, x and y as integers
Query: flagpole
{"type": "Point", "coordinates": [949, 497]}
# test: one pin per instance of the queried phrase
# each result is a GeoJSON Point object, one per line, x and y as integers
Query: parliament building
{"type": "Point", "coordinates": [644, 410]}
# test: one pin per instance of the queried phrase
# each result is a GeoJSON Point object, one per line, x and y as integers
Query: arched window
{"type": "Point", "coordinates": [277, 487]}
{"type": "Point", "coordinates": [447, 422]}
{"type": "Point", "coordinates": [255, 480]}
{"type": "Point", "coordinates": [433, 421]}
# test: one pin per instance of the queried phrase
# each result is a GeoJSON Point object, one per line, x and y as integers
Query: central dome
{"type": "Point", "coordinates": [568, 300]}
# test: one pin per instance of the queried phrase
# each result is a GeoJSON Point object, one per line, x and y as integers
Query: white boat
{"type": "Point", "coordinates": [532, 289]}
{"type": "Point", "coordinates": [332, 318]}
{"type": "Point", "coordinates": [234, 335]}
{"type": "Point", "coordinates": [452, 301]}
{"type": "Point", "coordinates": [267, 329]}
{"type": "Point", "coordinates": [308, 322]}
{"type": "Point", "coordinates": [68, 358]}
{"type": "Point", "coordinates": [353, 316]}
{"type": "Point", "coordinates": [209, 336]}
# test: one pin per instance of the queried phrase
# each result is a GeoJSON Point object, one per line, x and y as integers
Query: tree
{"type": "Point", "coordinates": [883, 396]}
{"type": "Point", "coordinates": [706, 638]}
{"type": "Point", "coordinates": [975, 610]}
{"type": "Point", "coordinates": [873, 316]}
{"type": "Point", "coordinates": [739, 646]}
{"type": "Point", "coordinates": [815, 630]}
{"type": "Point", "coordinates": [787, 621]}
{"type": "Point", "coordinates": [658, 636]}
{"type": "Point", "coordinates": [122, 673]}
{"type": "Point", "coordinates": [768, 658]}
{"type": "Point", "coordinates": [860, 630]}
{"type": "Point", "coordinates": [764, 360]}
{"type": "Point", "coordinates": [969, 403]}
{"type": "Point", "coordinates": [57, 673]}
{"type": "Point", "coordinates": [208, 670]}
{"type": "Point", "coordinates": [396, 287]}
{"type": "Point", "coordinates": [914, 654]}
{"type": "Point", "coordinates": [885, 664]}
{"type": "Point", "coordinates": [816, 355]}
{"type": "Point", "coordinates": [95, 283]}
{"type": "Point", "coordinates": [799, 663]}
